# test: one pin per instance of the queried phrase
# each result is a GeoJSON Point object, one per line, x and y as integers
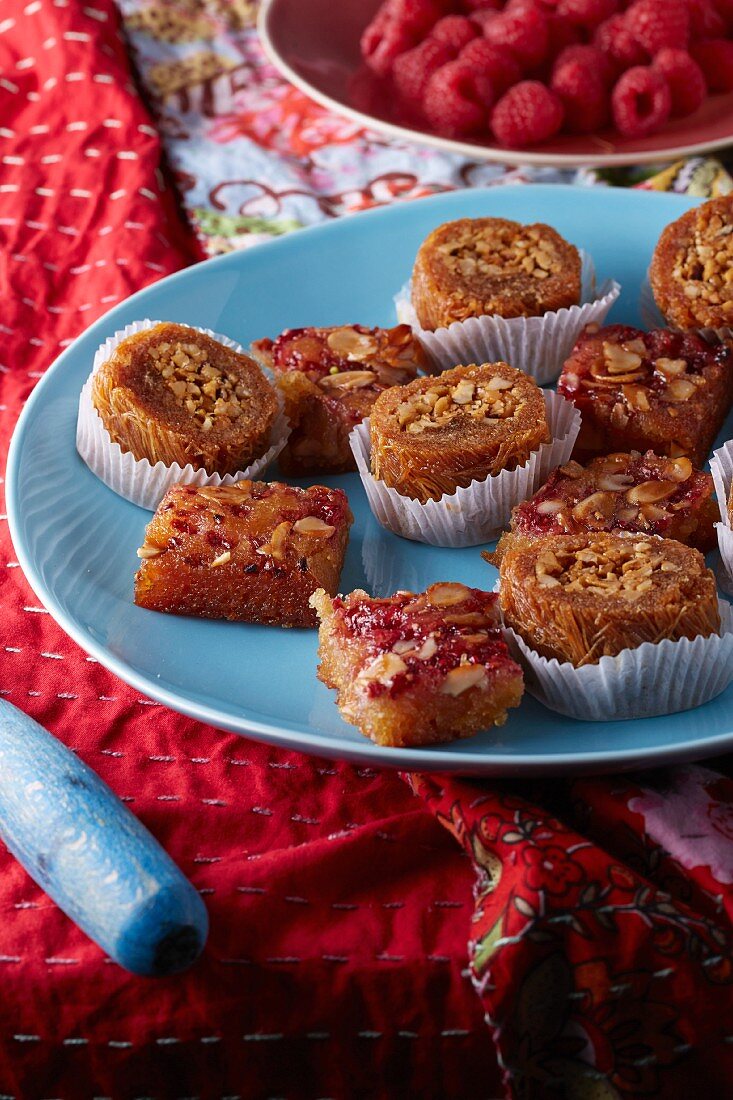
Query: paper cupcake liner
{"type": "Point", "coordinates": [655, 678]}
{"type": "Point", "coordinates": [537, 345]}
{"type": "Point", "coordinates": [652, 316]}
{"type": "Point", "coordinates": [479, 512]}
{"type": "Point", "coordinates": [721, 467]}
{"type": "Point", "coordinates": [136, 479]}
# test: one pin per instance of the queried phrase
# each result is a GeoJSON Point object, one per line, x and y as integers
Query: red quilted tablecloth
{"type": "Point", "coordinates": [343, 924]}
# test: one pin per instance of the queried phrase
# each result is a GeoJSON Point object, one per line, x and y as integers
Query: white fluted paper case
{"type": "Point", "coordinates": [136, 479]}
{"type": "Point", "coordinates": [537, 345]}
{"type": "Point", "coordinates": [479, 512]}
{"type": "Point", "coordinates": [655, 678]}
{"type": "Point", "coordinates": [721, 467]}
{"type": "Point", "coordinates": [652, 316]}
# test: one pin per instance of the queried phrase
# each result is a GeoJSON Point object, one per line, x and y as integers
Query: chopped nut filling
{"type": "Point", "coordinates": [203, 390]}
{"type": "Point", "coordinates": [705, 262]}
{"type": "Point", "coordinates": [497, 399]}
{"type": "Point", "coordinates": [501, 251]}
{"type": "Point", "coordinates": [626, 570]}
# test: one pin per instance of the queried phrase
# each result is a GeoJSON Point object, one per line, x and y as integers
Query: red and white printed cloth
{"type": "Point", "coordinates": [343, 925]}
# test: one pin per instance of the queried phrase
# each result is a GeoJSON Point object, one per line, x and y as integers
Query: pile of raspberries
{"type": "Point", "coordinates": [522, 71]}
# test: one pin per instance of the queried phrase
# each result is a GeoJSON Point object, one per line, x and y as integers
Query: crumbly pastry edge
{"type": "Point", "coordinates": [478, 513]}
{"type": "Point", "coordinates": [536, 345]}
{"type": "Point", "coordinates": [137, 480]}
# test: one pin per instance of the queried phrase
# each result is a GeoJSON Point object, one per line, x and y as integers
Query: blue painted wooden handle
{"type": "Point", "coordinates": [92, 856]}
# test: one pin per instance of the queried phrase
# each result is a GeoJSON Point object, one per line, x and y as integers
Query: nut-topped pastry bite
{"type": "Point", "coordinates": [691, 272]}
{"type": "Point", "coordinates": [660, 390]}
{"type": "Point", "coordinates": [578, 598]}
{"type": "Point", "coordinates": [252, 552]}
{"type": "Point", "coordinates": [173, 394]}
{"type": "Point", "coordinates": [491, 266]}
{"type": "Point", "coordinates": [415, 669]}
{"type": "Point", "coordinates": [465, 425]}
{"type": "Point", "coordinates": [628, 492]}
{"type": "Point", "coordinates": [330, 378]}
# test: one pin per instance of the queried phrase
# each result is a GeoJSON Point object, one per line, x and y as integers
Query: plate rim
{"type": "Point", "coordinates": [493, 154]}
{"type": "Point", "coordinates": [309, 741]}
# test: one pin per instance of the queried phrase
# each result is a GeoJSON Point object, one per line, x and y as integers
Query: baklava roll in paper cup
{"type": "Point", "coordinates": [160, 393]}
{"type": "Point", "coordinates": [612, 627]}
{"type": "Point", "coordinates": [444, 459]}
{"type": "Point", "coordinates": [484, 289]}
{"type": "Point", "coordinates": [687, 283]}
{"type": "Point", "coordinates": [721, 467]}
{"type": "Point", "coordinates": [652, 317]}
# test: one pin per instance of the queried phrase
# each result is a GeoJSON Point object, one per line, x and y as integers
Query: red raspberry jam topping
{"type": "Point", "coordinates": [431, 634]}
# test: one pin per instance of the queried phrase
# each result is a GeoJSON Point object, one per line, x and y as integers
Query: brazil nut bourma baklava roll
{"type": "Point", "coordinates": [445, 458]}
{"type": "Point", "coordinates": [616, 625]}
{"type": "Point", "coordinates": [488, 288]}
{"type": "Point", "coordinates": [167, 403]}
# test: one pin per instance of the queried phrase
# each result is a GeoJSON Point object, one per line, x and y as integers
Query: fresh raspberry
{"type": "Point", "coordinates": [584, 96]}
{"type": "Point", "coordinates": [724, 9]}
{"type": "Point", "coordinates": [412, 70]}
{"type": "Point", "coordinates": [457, 100]}
{"type": "Point", "coordinates": [641, 102]}
{"type": "Point", "coordinates": [529, 112]}
{"type": "Point", "coordinates": [454, 31]}
{"type": "Point", "coordinates": [397, 27]}
{"type": "Point", "coordinates": [705, 21]}
{"type": "Point", "coordinates": [715, 58]}
{"type": "Point", "coordinates": [471, 6]}
{"type": "Point", "coordinates": [498, 65]}
{"type": "Point", "coordinates": [561, 34]}
{"type": "Point", "coordinates": [685, 79]}
{"type": "Point", "coordinates": [587, 14]}
{"type": "Point", "coordinates": [524, 32]}
{"type": "Point", "coordinates": [615, 40]}
{"type": "Point", "coordinates": [590, 57]}
{"type": "Point", "coordinates": [659, 23]}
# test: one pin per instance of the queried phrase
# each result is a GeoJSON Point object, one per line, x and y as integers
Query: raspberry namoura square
{"type": "Point", "coordinates": [691, 273]}
{"type": "Point", "coordinates": [661, 390]}
{"type": "Point", "coordinates": [578, 598]}
{"type": "Point", "coordinates": [330, 378]}
{"type": "Point", "coordinates": [628, 492]}
{"type": "Point", "coordinates": [475, 267]}
{"type": "Point", "coordinates": [173, 394]}
{"type": "Point", "coordinates": [252, 552]}
{"type": "Point", "coordinates": [416, 669]}
{"type": "Point", "coordinates": [444, 431]}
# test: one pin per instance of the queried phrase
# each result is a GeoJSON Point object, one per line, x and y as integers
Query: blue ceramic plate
{"type": "Point", "coordinates": [76, 540]}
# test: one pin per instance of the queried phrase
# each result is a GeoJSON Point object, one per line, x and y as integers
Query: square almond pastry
{"type": "Point", "coordinates": [661, 390]}
{"type": "Point", "coordinates": [251, 552]}
{"type": "Point", "coordinates": [330, 378]}
{"type": "Point", "coordinates": [413, 669]}
{"type": "Point", "coordinates": [632, 492]}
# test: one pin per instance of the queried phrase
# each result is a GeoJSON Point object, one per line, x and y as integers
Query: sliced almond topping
{"type": "Point", "coordinates": [671, 368]}
{"type": "Point", "coordinates": [222, 559]}
{"type": "Point", "coordinates": [276, 546]}
{"type": "Point", "coordinates": [149, 550]}
{"type": "Point", "coordinates": [596, 506]}
{"type": "Point", "coordinates": [614, 483]}
{"type": "Point", "coordinates": [348, 380]}
{"type": "Point", "coordinates": [653, 513]}
{"type": "Point", "coordinates": [618, 360]}
{"type": "Point", "coordinates": [680, 389]}
{"type": "Point", "coordinates": [680, 469]}
{"type": "Point", "coordinates": [649, 492]}
{"type": "Point", "coordinates": [350, 344]}
{"type": "Point", "coordinates": [312, 525]}
{"type": "Point", "coordinates": [549, 507]}
{"type": "Point", "coordinates": [428, 649]}
{"type": "Point", "coordinates": [383, 668]}
{"type": "Point", "coordinates": [462, 678]}
{"type": "Point", "coordinates": [404, 645]}
{"type": "Point", "coordinates": [446, 595]}
{"type": "Point", "coordinates": [636, 396]}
